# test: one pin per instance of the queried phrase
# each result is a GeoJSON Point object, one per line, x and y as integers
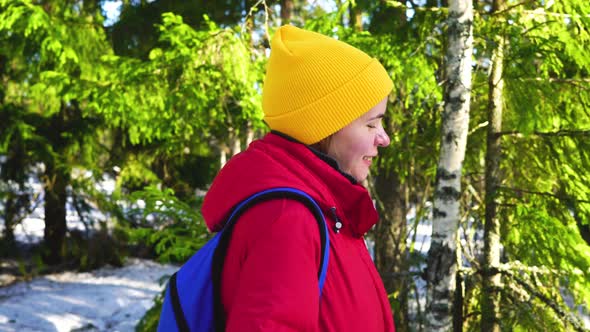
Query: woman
{"type": "Point", "coordinates": [323, 100]}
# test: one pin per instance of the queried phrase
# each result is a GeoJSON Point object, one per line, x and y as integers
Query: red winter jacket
{"type": "Point", "coordinates": [269, 278]}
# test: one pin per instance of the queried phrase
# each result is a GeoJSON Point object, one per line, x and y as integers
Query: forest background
{"type": "Point", "coordinates": [489, 120]}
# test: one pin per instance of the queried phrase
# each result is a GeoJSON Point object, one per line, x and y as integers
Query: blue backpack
{"type": "Point", "coordinates": [193, 300]}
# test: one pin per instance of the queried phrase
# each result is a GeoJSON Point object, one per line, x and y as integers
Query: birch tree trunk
{"type": "Point", "coordinates": [227, 151]}
{"type": "Point", "coordinates": [442, 256]}
{"type": "Point", "coordinates": [490, 301]}
{"type": "Point", "coordinates": [236, 145]}
{"type": "Point", "coordinates": [223, 152]}
{"type": "Point", "coordinates": [249, 135]}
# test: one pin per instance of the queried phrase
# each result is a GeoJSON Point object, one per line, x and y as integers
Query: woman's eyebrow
{"type": "Point", "coordinates": [378, 116]}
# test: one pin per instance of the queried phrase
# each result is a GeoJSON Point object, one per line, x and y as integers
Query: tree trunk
{"type": "Point", "coordinates": [223, 151]}
{"type": "Point", "coordinates": [390, 242]}
{"type": "Point", "coordinates": [249, 134]}
{"type": "Point", "coordinates": [56, 180]}
{"type": "Point", "coordinates": [55, 213]}
{"type": "Point", "coordinates": [356, 17]}
{"type": "Point", "coordinates": [9, 216]}
{"type": "Point", "coordinates": [286, 11]}
{"type": "Point", "coordinates": [388, 19]}
{"type": "Point", "coordinates": [442, 256]}
{"type": "Point", "coordinates": [236, 145]}
{"type": "Point", "coordinates": [229, 149]}
{"type": "Point", "coordinates": [490, 301]}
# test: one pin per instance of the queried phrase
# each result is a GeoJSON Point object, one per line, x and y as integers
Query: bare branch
{"type": "Point", "coordinates": [251, 13]}
{"type": "Point", "coordinates": [481, 125]}
{"type": "Point", "coordinates": [397, 4]}
{"type": "Point", "coordinates": [571, 319]}
{"type": "Point", "coordinates": [581, 83]}
{"type": "Point", "coordinates": [559, 133]}
{"type": "Point", "coordinates": [542, 12]}
{"type": "Point", "coordinates": [540, 193]}
{"type": "Point", "coordinates": [507, 9]}
{"type": "Point", "coordinates": [560, 80]}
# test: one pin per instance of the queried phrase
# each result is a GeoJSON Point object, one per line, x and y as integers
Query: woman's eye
{"type": "Point", "coordinates": [372, 126]}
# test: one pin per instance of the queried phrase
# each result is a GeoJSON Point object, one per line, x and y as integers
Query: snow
{"type": "Point", "coordinates": [108, 299]}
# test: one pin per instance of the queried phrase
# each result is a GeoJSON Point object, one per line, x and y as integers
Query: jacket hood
{"type": "Point", "coordinates": [276, 161]}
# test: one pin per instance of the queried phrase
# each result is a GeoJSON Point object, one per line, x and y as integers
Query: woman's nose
{"type": "Point", "coordinates": [382, 138]}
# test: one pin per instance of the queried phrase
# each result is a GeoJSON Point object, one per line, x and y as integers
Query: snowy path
{"type": "Point", "coordinates": [108, 299]}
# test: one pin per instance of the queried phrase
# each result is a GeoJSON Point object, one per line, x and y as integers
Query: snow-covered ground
{"type": "Point", "coordinates": [108, 299]}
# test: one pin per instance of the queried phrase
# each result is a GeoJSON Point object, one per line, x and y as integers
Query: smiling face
{"type": "Point", "coordinates": [355, 145]}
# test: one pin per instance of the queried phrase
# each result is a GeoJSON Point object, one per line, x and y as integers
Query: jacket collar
{"type": "Point", "coordinates": [327, 159]}
{"type": "Point", "coordinates": [354, 206]}
{"type": "Point", "coordinates": [280, 161]}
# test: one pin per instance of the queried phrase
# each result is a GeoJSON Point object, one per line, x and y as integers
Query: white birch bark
{"type": "Point", "coordinates": [442, 257]}
{"type": "Point", "coordinates": [226, 152]}
{"type": "Point", "coordinates": [236, 146]}
{"type": "Point", "coordinates": [249, 135]}
{"type": "Point", "coordinates": [223, 150]}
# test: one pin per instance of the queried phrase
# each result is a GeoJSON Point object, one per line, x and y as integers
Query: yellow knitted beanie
{"type": "Point", "coordinates": [316, 85]}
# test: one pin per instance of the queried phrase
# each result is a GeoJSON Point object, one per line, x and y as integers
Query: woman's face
{"type": "Point", "coordinates": [355, 145]}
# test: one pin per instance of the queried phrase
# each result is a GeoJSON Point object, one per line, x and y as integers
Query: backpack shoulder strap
{"type": "Point", "coordinates": [176, 306]}
{"type": "Point", "coordinates": [274, 193]}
